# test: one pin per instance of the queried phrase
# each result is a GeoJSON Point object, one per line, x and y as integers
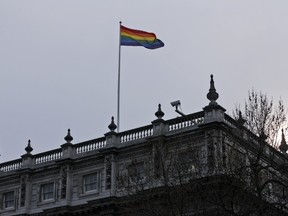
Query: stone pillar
{"type": "Point", "coordinates": [27, 159]}
{"type": "Point", "coordinates": [112, 136]}
{"type": "Point", "coordinates": [213, 112]}
{"type": "Point", "coordinates": [67, 148]}
{"type": "Point", "coordinates": [159, 126]}
{"type": "Point", "coordinates": [66, 183]}
{"type": "Point", "coordinates": [211, 152]}
{"type": "Point", "coordinates": [25, 191]}
{"type": "Point", "coordinates": [112, 141]}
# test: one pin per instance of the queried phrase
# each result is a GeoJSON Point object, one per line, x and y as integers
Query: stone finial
{"type": "Point", "coordinates": [212, 94]}
{"type": "Point", "coordinates": [68, 137]}
{"type": "Point", "coordinates": [283, 146]}
{"type": "Point", "coordinates": [240, 121]}
{"type": "Point", "coordinates": [112, 125]}
{"type": "Point", "coordinates": [28, 148]}
{"type": "Point", "coordinates": [159, 114]}
{"type": "Point", "coordinates": [263, 137]}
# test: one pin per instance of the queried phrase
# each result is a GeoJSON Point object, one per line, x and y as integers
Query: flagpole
{"type": "Point", "coordinates": [118, 90]}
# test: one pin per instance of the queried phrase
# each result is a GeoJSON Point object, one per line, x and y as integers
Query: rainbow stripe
{"type": "Point", "coordinates": [132, 37]}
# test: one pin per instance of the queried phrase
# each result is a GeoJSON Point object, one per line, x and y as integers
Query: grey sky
{"type": "Point", "coordinates": [58, 63]}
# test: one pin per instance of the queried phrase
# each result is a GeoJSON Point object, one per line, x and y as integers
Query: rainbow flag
{"type": "Point", "coordinates": [132, 37]}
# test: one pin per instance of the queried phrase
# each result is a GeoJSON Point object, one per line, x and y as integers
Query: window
{"type": "Point", "coordinates": [187, 162]}
{"type": "Point", "coordinates": [90, 182]}
{"type": "Point", "coordinates": [136, 172]}
{"type": "Point", "coordinates": [8, 199]}
{"type": "Point", "coordinates": [47, 191]}
{"type": "Point", "coordinates": [236, 159]}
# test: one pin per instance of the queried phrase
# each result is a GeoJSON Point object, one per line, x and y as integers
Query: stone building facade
{"type": "Point", "coordinates": [204, 163]}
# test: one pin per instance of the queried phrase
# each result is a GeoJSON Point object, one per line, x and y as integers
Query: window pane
{"type": "Point", "coordinates": [8, 199]}
{"type": "Point", "coordinates": [47, 191]}
{"type": "Point", "coordinates": [140, 171]}
{"type": "Point", "coordinates": [136, 172]}
{"type": "Point", "coordinates": [90, 182]}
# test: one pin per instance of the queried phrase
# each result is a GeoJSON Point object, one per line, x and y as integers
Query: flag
{"type": "Point", "coordinates": [132, 37]}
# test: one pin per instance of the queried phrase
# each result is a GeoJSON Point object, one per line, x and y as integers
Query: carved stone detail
{"type": "Point", "coordinates": [108, 173]}
{"type": "Point", "coordinates": [22, 190]}
{"type": "Point", "coordinates": [63, 180]}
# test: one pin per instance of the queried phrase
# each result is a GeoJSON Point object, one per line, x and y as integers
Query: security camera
{"type": "Point", "coordinates": [175, 103]}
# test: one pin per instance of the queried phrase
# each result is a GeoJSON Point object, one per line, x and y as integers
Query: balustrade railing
{"type": "Point", "coordinates": [54, 154]}
{"type": "Point", "coordinates": [185, 121]}
{"type": "Point", "coordinates": [48, 156]}
{"type": "Point", "coordinates": [90, 145]}
{"type": "Point", "coordinates": [230, 121]}
{"type": "Point", "coordinates": [178, 123]}
{"type": "Point", "coordinates": [137, 133]}
{"type": "Point", "coordinates": [11, 165]}
{"type": "Point", "coordinates": [248, 135]}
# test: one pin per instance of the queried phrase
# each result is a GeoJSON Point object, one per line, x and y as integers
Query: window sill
{"type": "Point", "coordinates": [87, 193]}
{"type": "Point", "coordinates": [45, 202]}
{"type": "Point", "coordinates": [8, 209]}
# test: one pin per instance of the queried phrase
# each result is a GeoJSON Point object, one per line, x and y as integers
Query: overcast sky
{"type": "Point", "coordinates": [59, 59]}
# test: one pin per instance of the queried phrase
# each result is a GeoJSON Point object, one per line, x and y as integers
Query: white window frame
{"type": "Point", "coordinates": [45, 193]}
{"type": "Point", "coordinates": [90, 182]}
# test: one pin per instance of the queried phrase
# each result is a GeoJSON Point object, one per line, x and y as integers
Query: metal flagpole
{"type": "Point", "coordinates": [118, 90]}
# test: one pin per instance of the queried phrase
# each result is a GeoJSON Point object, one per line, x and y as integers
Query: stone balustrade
{"type": "Point", "coordinates": [11, 165]}
{"type": "Point", "coordinates": [184, 122]}
{"type": "Point", "coordinates": [90, 145]}
{"type": "Point", "coordinates": [246, 134]}
{"type": "Point", "coordinates": [136, 134]}
{"type": "Point", "coordinates": [48, 156]}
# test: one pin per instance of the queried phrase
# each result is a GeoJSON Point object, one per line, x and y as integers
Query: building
{"type": "Point", "coordinates": [204, 163]}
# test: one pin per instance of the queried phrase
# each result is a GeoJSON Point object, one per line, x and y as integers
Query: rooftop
{"type": "Point", "coordinates": [211, 113]}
